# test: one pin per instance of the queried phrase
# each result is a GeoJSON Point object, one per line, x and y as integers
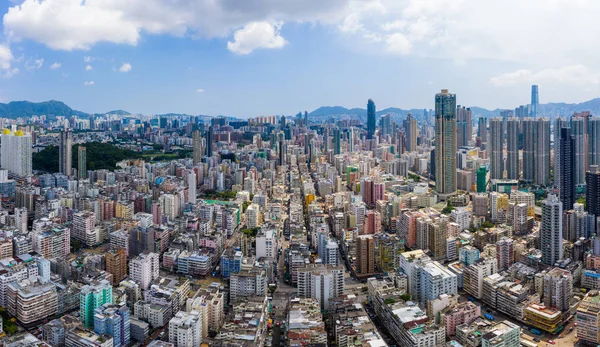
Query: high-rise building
{"type": "Point", "coordinates": [386, 124]}
{"type": "Point", "coordinates": [337, 141]}
{"type": "Point", "coordinates": [482, 179]}
{"type": "Point", "coordinates": [365, 254]}
{"type": "Point", "coordinates": [566, 159]}
{"type": "Point", "coordinates": [594, 141]}
{"type": "Point", "coordinates": [592, 194]}
{"type": "Point", "coordinates": [529, 144]}
{"type": "Point", "coordinates": [113, 320]}
{"type": "Point", "coordinates": [191, 180]}
{"type": "Point", "coordinates": [542, 152]}
{"type": "Point", "coordinates": [15, 153]}
{"type": "Point", "coordinates": [535, 101]}
{"type": "Point", "coordinates": [505, 253]}
{"type": "Point", "coordinates": [559, 123]}
{"type": "Point", "coordinates": [496, 146]}
{"type": "Point", "coordinates": [65, 146]}
{"type": "Point", "coordinates": [578, 135]}
{"type": "Point", "coordinates": [558, 289]}
{"type": "Point", "coordinates": [588, 318]}
{"type": "Point", "coordinates": [209, 141]}
{"type": "Point", "coordinates": [482, 129]}
{"type": "Point", "coordinates": [464, 125]}
{"type": "Point", "coordinates": [551, 230]}
{"type": "Point", "coordinates": [84, 229]}
{"type": "Point", "coordinates": [116, 264]}
{"type": "Point", "coordinates": [504, 334]}
{"type": "Point", "coordinates": [197, 144]}
{"type": "Point", "coordinates": [512, 148]}
{"type": "Point", "coordinates": [410, 128]}
{"type": "Point", "coordinates": [321, 282]}
{"type": "Point", "coordinates": [185, 329]}
{"type": "Point", "coordinates": [91, 297]}
{"type": "Point", "coordinates": [371, 121]}
{"type": "Point", "coordinates": [81, 162]}
{"type": "Point", "coordinates": [144, 269]}
{"type": "Point", "coordinates": [445, 144]}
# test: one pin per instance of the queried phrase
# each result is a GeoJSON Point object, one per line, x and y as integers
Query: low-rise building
{"type": "Point", "coordinates": [305, 326]}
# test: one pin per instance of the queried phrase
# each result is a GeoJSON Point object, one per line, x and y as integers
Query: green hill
{"type": "Point", "coordinates": [99, 156]}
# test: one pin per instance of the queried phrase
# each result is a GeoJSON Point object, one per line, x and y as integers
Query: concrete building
{"type": "Point", "coordinates": [91, 297]}
{"type": "Point", "coordinates": [588, 318]}
{"type": "Point", "coordinates": [84, 228]}
{"type": "Point", "coordinates": [31, 301]}
{"type": "Point", "coordinates": [266, 242]}
{"type": "Point", "coordinates": [463, 313]}
{"type": "Point", "coordinates": [365, 255]}
{"type": "Point", "coordinates": [185, 329]}
{"type": "Point", "coordinates": [558, 288]}
{"type": "Point", "coordinates": [321, 282]}
{"type": "Point", "coordinates": [504, 334]}
{"type": "Point", "coordinates": [474, 274]}
{"type": "Point", "coordinates": [551, 230]}
{"type": "Point", "coordinates": [445, 144]}
{"type": "Point", "coordinates": [113, 320]}
{"type": "Point", "coordinates": [144, 269]}
{"type": "Point", "coordinates": [496, 146]}
{"type": "Point", "coordinates": [79, 337]}
{"type": "Point", "coordinates": [16, 152]}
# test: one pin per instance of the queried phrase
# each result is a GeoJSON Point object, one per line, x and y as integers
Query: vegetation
{"type": "Point", "coordinates": [251, 232]}
{"type": "Point", "coordinates": [99, 156]}
{"type": "Point", "coordinates": [159, 156]}
{"type": "Point", "coordinates": [389, 301]}
{"type": "Point", "coordinates": [75, 245]}
{"type": "Point", "coordinates": [8, 324]}
{"type": "Point", "coordinates": [414, 177]}
{"type": "Point", "coordinates": [245, 205]}
{"type": "Point", "coordinates": [214, 195]}
{"type": "Point", "coordinates": [486, 225]}
{"type": "Point", "coordinates": [582, 200]}
{"type": "Point", "coordinates": [405, 297]}
{"type": "Point", "coordinates": [449, 208]}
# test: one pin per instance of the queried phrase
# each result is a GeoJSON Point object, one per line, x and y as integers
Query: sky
{"type": "Point", "coordinates": [247, 58]}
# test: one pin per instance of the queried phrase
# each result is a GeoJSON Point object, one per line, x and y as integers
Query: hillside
{"type": "Point", "coordinates": [99, 156]}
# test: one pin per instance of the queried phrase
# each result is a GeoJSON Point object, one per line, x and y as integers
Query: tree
{"type": "Point", "coordinates": [448, 208]}
{"type": "Point", "coordinates": [405, 297]}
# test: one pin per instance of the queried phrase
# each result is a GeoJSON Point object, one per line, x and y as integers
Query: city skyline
{"type": "Point", "coordinates": [258, 62]}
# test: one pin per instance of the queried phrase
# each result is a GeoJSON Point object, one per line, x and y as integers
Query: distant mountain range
{"type": "Point", "coordinates": [549, 109]}
{"type": "Point", "coordinates": [53, 108]}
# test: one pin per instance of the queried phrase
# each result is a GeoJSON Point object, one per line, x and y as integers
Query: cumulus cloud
{"type": "Point", "coordinates": [6, 57]}
{"type": "Point", "coordinates": [200, 90]}
{"type": "Point", "coordinates": [31, 64]}
{"type": "Point", "coordinates": [126, 67]}
{"type": "Point", "coordinates": [55, 66]}
{"type": "Point", "coordinates": [88, 83]}
{"type": "Point", "coordinates": [256, 35]}
{"type": "Point", "coordinates": [88, 59]}
{"type": "Point", "coordinates": [574, 75]}
{"type": "Point", "coordinates": [89, 67]}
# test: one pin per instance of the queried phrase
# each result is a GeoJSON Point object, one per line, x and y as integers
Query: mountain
{"type": "Point", "coordinates": [119, 112]}
{"type": "Point", "coordinates": [15, 109]}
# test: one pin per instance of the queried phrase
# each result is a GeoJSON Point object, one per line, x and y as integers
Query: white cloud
{"type": "Point", "coordinates": [55, 66]}
{"type": "Point", "coordinates": [88, 83]}
{"type": "Point", "coordinates": [88, 59]}
{"type": "Point", "coordinates": [126, 67]}
{"type": "Point", "coordinates": [89, 67]}
{"type": "Point", "coordinates": [398, 43]}
{"type": "Point", "coordinates": [573, 75]}
{"type": "Point", "coordinates": [256, 35]}
{"type": "Point", "coordinates": [200, 90]}
{"type": "Point", "coordinates": [6, 57]}
{"type": "Point", "coordinates": [34, 64]}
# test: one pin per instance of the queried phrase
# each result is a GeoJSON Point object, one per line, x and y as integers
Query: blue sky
{"type": "Point", "coordinates": [263, 57]}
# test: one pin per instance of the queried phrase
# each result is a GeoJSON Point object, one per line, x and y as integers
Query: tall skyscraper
{"type": "Point", "coordinates": [197, 143]}
{"type": "Point", "coordinates": [386, 124]}
{"type": "Point", "coordinates": [551, 230]}
{"type": "Point", "coordinates": [209, 142]}
{"type": "Point", "coordinates": [191, 187]}
{"type": "Point", "coordinates": [371, 123]}
{"type": "Point", "coordinates": [496, 145]}
{"type": "Point", "coordinates": [512, 148]}
{"type": "Point", "coordinates": [592, 194]}
{"type": "Point", "coordinates": [594, 141]}
{"type": "Point", "coordinates": [566, 155]}
{"type": "Point", "coordinates": [410, 127]}
{"type": "Point", "coordinates": [559, 123]}
{"type": "Point", "coordinates": [529, 144]}
{"type": "Point", "coordinates": [535, 101]}
{"type": "Point", "coordinates": [578, 134]}
{"type": "Point", "coordinates": [64, 152]}
{"type": "Point", "coordinates": [464, 124]}
{"type": "Point", "coordinates": [15, 153]}
{"type": "Point", "coordinates": [445, 144]}
{"type": "Point", "coordinates": [81, 162]}
{"type": "Point", "coordinates": [542, 152]}
{"type": "Point", "coordinates": [365, 254]}
{"type": "Point", "coordinates": [482, 129]}
{"type": "Point", "coordinates": [337, 141]}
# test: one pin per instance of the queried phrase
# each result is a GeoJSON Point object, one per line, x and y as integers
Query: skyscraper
{"type": "Point", "coordinates": [306, 118]}
{"type": "Point", "coordinates": [592, 195]}
{"type": "Point", "coordinates": [559, 123]}
{"type": "Point", "coordinates": [81, 162]}
{"type": "Point", "coordinates": [542, 151]}
{"type": "Point", "coordinates": [529, 144]}
{"type": "Point", "coordinates": [482, 179]}
{"type": "Point", "coordinates": [445, 144]}
{"type": "Point", "coordinates": [197, 143]}
{"type": "Point", "coordinates": [15, 154]}
{"type": "Point", "coordinates": [337, 141]}
{"type": "Point", "coordinates": [551, 230]}
{"type": "Point", "coordinates": [535, 101]}
{"type": "Point", "coordinates": [578, 134]}
{"type": "Point", "coordinates": [410, 127]}
{"type": "Point", "coordinates": [496, 145]}
{"type": "Point", "coordinates": [464, 125]}
{"type": "Point", "coordinates": [371, 123]}
{"type": "Point", "coordinates": [209, 142]}
{"type": "Point", "coordinates": [64, 152]}
{"type": "Point", "coordinates": [482, 129]}
{"type": "Point", "coordinates": [386, 124]}
{"type": "Point", "coordinates": [191, 187]}
{"type": "Point", "coordinates": [594, 141]}
{"type": "Point", "coordinates": [512, 148]}
{"type": "Point", "coordinates": [566, 155]}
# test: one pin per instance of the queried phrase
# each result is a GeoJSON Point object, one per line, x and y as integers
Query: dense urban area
{"type": "Point", "coordinates": [438, 228]}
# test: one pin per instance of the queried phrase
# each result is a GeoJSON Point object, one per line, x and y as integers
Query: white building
{"type": "Point", "coordinates": [247, 283]}
{"type": "Point", "coordinates": [321, 282]}
{"type": "Point", "coordinates": [185, 329]}
{"type": "Point", "coordinates": [435, 281]}
{"type": "Point", "coordinates": [191, 187]}
{"type": "Point", "coordinates": [253, 216]}
{"type": "Point", "coordinates": [15, 153]}
{"type": "Point", "coordinates": [462, 217]}
{"type": "Point", "coordinates": [84, 228]}
{"type": "Point", "coordinates": [144, 269]}
{"type": "Point", "coordinates": [504, 334]}
{"type": "Point", "coordinates": [266, 242]}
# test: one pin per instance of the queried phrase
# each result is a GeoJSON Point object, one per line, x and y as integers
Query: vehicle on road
{"type": "Point", "coordinates": [489, 317]}
{"type": "Point", "coordinates": [535, 331]}
{"type": "Point", "coordinates": [552, 342]}
{"type": "Point", "coordinates": [536, 339]}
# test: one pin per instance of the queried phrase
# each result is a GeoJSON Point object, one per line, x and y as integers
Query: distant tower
{"type": "Point", "coordinates": [578, 133]}
{"type": "Point", "coordinates": [594, 141]}
{"type": "Point", "coordinates": [496, 145]}
{"type": "Point", "coordinates": [535, 101]}
{"type": "Point", "coordinates": [566, 154]}
{"type": "Point", "coordinates": [512, 148]}
{"type": "Point", "coordinates": [551, 230]}
{"type": "Point", "coordinates": [592, 195]}
{"type": "Point", "coordinates": [81, 162]}
{"type": "Point", "coordinates": [337, 141]}
{"type": "Point", "coordinates": [529, 145]}
{"type": "Point", "coordinates": [371, 111]}
{"type": "Point", "coordinates": [197, 143]}
{"type": "Point", "coordinates": [209, 142]}
{"type": "Point", "coordinates": [464, 125]}
{"type": "Point", "coordinates": [65, 149]}
{"type": "Point", "coordinates": [410, 128]}
{"type": "Point", "coordinates": [445, 144]}
{"type": "Point", "coordinates": [306, 119]}
{"type": "Point", "coordinates": [191, 187]}
{"type": "Point", "coordinates": [542, 151]}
